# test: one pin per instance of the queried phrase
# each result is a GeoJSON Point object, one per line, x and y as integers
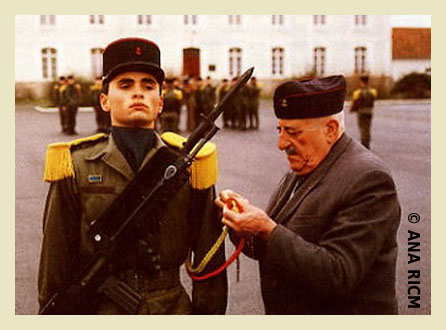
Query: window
{"type": "Point", "coordinates": [319, 61]}
{"type": "Point", "coordinates": [47, 19]}
{"type": "Point", "coordinates": [190, 19]}
{"type": "Point", "coordinates": [277, 61]}
{"type": "Point", "coordinates": [49, 63]}
{"type": "Point", "coordinates": [319, 19]}
{"type": "Point", "coordinates": [144, 19]}
{"type": "Point", "coordinates": [96, 61]}
{"type": "Point", "coordinates": [277, 19]}
{"type": "Point", "coordinates": [360, 19]}
{"type": "Point", "coordinates": [96, 19]}
{"type": "Point", "coordinates": [235, 61]}
{"type": "Point", "coordinates": [234, 19]}
{"type": "Point", "coordinates": [360, 59]}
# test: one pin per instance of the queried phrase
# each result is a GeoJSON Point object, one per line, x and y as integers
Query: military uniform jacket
{"type": "Point", "coordinates": [190, 221]}
{"type": "Point", "coordinates": [334, 249]}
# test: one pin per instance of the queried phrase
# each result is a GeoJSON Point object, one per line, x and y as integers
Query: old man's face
{"type": "Point", "coordinates": [306, 142]}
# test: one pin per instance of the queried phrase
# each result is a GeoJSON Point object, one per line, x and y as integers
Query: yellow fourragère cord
{"type": "Point", "coordinates": [233, 206]}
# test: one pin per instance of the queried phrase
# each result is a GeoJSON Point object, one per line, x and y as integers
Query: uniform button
{"type": "Point", "coordinates": [149, 250]}
{"type": "Point", "coordinates": [157, 267]}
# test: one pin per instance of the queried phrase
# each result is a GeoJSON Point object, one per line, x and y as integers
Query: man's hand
{"type": "Point", "coordinates": [251, 221]}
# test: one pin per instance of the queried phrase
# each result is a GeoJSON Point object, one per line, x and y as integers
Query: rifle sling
{"type": "Point", "coordinates": [108, 224]}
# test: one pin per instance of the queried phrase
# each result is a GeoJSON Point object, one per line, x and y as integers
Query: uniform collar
{"type": "Point", "coordinates": [112, 156]}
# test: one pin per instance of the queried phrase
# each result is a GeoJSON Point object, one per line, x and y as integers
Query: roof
{"type": "Point", "coordinates": [411, 43]}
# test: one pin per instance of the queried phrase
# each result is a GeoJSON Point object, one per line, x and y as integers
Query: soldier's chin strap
{"type": "Point", "coordinates": [193, 272]}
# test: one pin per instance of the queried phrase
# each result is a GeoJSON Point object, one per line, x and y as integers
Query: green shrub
{"type": "Point", "coordinates": [413, 85]}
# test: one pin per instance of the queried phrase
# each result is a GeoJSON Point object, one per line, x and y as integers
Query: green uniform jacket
{"type": "Point", "coordinates": [190, 221]}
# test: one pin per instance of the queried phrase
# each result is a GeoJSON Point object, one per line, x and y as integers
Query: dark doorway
{"type": "Point", "coordinates": [191, 62]}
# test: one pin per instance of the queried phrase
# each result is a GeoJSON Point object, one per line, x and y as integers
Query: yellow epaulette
{"type": "Point", "coordinates": [204, 170]}
{"type": "Point", "coordinates": [95, 87]}
{"type": "Point", "coordinates": [58, 162]}
{"type": "Point", "coordinates": [356, 94]}
{"type": "Point", "coordinates": [178, 94]}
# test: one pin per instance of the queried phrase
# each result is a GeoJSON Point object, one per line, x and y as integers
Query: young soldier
{"type": "Point", "coordinates": [102, 166]}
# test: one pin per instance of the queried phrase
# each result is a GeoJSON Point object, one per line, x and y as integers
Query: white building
{"type": "Point", "coordinates": [221, 46]}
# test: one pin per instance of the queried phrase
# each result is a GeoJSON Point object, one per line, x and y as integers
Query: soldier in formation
{"type": "Point", "coordinates": [199, 97]}
{"type": "Point", "coordinates": [253, 103]}
{"type": "Point", "coordinates": [71, 97]}
{"type": "Point", "coordinates": [103, 120]}
{"type": "Point", "coordinates": [363, 103]}
{"type": "Point", "coordinates": [173, 101]}
{"type": "Point", "coordinates": [59, 90]}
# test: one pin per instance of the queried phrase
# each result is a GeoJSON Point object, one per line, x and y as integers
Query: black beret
{"type": "Point", "coordinates": [310, 98]}
{"type": "Point", "coordinates": [132, 54]}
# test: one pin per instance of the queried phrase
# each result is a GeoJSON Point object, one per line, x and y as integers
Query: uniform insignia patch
{"type": "Point", "coordinates": [95, 178]}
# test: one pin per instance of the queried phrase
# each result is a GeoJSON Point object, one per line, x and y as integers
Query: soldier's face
{"type": "Point", "coordinates": [305, 142]}
{"type": "Point", "coordinates": [133, 100]}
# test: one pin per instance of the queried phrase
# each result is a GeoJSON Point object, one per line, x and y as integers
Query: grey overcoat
{"type": "Point", "coordinates": [334, 249]}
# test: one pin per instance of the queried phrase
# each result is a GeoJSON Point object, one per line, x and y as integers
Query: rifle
{"type": "Point", "coordinates": [147, 194]}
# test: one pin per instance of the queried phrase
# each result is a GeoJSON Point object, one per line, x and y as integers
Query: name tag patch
{"type": "Point", "coordinates": [95, 178]}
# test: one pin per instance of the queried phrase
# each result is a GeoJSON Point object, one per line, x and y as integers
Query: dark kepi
{"type": "Point", "coordinates": [132, 54]}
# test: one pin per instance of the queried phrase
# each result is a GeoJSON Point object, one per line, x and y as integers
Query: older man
{"type": "Point", "coordinates": [327, 241]}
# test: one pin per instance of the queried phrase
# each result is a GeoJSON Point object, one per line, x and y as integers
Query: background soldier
{"type": "Point", "coordinates": [173, 100]}
{"type": "Point", "coordinates": [253, 103]}
{"type": "Point", "coordinates": [242, 108]}
{"type": "Point", "coordinates": [233, 107]}
{"type": "Point", "coordinates": [200, 99]}
{"type": "Point", "coordinates": [209, 96]}
{"type": "Point", "coordinates": [189, 89]}
{"type": "Point", "coordinates": [59, 89]}
{"type": "Point", "coordinates": [221, 93]}
{"type": "Point", "coordinates": [103, 120]}
{"type": "Point", "coordinates": [71, 96]}
{"type": "Point", "coordinates": [363, 102]}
